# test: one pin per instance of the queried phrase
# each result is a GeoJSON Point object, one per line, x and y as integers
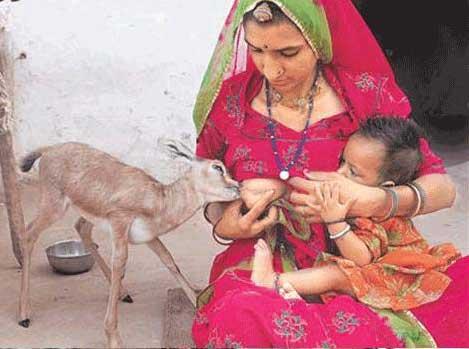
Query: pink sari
{"type": "Point", "coordinates": [239, 314]}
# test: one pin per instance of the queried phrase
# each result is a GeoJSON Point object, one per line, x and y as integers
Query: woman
{"type": "Point", "coordinates": [286, 87]}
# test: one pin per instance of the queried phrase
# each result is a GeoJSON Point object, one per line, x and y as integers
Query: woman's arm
{"type": "Point", "coordinates": [372, 201]}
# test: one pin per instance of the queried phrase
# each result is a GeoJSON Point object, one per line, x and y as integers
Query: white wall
{"type": "Point", "coordinates": [114, 74]}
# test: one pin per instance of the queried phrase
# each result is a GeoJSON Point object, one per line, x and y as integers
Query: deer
{"type": "Point", "coordinates": [123, 200]}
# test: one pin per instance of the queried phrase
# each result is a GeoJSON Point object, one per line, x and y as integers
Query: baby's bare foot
{"type": "Point", "coordinates": [262, 268]}
{"type": "Point", "coordinates": [288, 292]}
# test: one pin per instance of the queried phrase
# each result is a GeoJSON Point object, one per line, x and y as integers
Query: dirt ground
{"type": "Point", "coordinates": [68, 311]}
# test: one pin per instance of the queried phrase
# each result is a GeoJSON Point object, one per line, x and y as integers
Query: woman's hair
{"type": "Point", "coordinates": [266, 12]}
{"type": "Point", "coordinates": [401, 139]}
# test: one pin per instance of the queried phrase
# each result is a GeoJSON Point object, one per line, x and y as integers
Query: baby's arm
{"type": "Point", "coordinates": [334, 211]}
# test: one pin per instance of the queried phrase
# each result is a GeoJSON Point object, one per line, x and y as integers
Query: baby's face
{"type": "Point", "coordinates": [362, 160]}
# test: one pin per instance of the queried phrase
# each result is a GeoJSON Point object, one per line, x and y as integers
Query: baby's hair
{"type": "Point", "coordinates": [266, 12]}
{"type": "Point", "coordinates": [401, 139]}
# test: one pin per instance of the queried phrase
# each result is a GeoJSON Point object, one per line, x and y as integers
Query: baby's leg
{"type": "Point", "coordinates": [318, 280]}
{"type": "Point", "coordinates": [311, 281]}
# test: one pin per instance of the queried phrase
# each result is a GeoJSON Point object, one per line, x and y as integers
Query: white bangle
{"type": "Point", "coordinates": [344, 232]}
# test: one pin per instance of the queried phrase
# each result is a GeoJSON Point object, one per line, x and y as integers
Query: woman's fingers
{"type": "Point", "coordinates": [265, 223]}
{"type": "Point", "coordinates": [302, 185]}
{"type": "Point", "coordinates": [321, 176]}
{"type": "Point", "coordinates": [297, 198]}
{"type": "Point", "coordinates": [307, 211]}
{"type": "Point", "coordinates": [318, 191]}
{"type": "Point", "coordinates": [335, 193]}
{"type": "Point", "coordinates": [259, 207]}
{"type": "Point", "coordinates": [326, 192]}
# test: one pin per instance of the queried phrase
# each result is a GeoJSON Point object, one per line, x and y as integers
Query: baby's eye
{"type": "Point", "coordinates": [353, 173]}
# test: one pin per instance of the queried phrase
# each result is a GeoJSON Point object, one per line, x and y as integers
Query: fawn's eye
{"type": "Point", "coordinates": [218, 168]}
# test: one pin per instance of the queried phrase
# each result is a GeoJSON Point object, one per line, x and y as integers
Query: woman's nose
{"type": "Point", "coordinates": [272, 69]}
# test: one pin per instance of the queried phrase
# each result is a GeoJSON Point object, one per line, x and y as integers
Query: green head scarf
{"type": "Point", "coordinates": [308, 15]}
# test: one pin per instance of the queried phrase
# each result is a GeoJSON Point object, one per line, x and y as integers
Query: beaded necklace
{"type": "Point", "coordinates": [285, 169]}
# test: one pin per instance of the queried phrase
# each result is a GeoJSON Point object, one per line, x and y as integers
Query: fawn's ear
{"type": "Point", "coordinates": [175, 149]}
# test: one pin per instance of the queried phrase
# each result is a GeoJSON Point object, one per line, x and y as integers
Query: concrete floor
{"type": "Point", "coordinates": [68, 311]}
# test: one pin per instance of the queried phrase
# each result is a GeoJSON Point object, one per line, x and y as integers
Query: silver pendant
{"type": "Point", "coordinates": [284, 175]}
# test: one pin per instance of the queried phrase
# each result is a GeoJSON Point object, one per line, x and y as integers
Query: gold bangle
{"type": "Point", "coordinates": [227, 242]}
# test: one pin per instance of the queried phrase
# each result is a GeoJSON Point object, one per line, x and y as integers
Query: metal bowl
{"type": "Point", "coordinates": [69, 257]}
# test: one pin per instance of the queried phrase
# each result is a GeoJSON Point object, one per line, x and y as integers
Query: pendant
{"type": "Point", "coordinates": [284, 175]}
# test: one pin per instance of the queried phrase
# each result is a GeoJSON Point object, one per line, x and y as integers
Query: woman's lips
{"type": "Point", "coordinates": [279, 83]}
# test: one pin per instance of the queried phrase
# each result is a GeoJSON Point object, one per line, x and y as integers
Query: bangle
{"type": "Point", "coordinates": [277, 282]}
{"type": "Point", "coordinates": [394, 203]}
{"type": "Point", "coordinates": [344, 232]}
{"type": "Point", "coordinates": [206, 213]}
{"type": "Point", "coordinates": [218, 239]}
{"type": "Point", "coordinates": [418, 195]}
{"type": "Point", "coordinates": [423, 194]}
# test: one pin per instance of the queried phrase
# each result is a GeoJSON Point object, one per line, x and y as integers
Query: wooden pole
{"type": "Point", "coordinates": [7, 157]}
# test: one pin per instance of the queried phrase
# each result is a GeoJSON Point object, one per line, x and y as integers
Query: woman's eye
{"type": "Point", "coordinates": [218, 169]}
{"type": "Point", "coordinates": [255, 50]}
{"type": "Point", "coordinates": [289, 53]}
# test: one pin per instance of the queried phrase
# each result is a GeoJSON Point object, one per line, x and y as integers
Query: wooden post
{"type": "Point", "coordinates": [7, 157]}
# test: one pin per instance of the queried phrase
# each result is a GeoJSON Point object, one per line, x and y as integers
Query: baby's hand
{"type": "Point", "coordinates": [330, 208]}
{"type": "Point", "coordinates": [253, 189]}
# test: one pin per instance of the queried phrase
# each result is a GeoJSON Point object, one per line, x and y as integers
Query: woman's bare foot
{"type": "Point", "coordinates": [263, 273]}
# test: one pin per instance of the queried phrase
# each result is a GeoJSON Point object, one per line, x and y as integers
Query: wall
{"type": "Point", "coordinates": [114, 74]}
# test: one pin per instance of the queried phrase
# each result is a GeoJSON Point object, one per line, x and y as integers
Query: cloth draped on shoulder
{"type": "Point", "coordinates": [236, 313]}
{"type": "Point", "coordinates": [353, 62]}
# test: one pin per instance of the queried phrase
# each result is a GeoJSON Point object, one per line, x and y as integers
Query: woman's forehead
{"type": "Point", "coordinates": [275, 36]}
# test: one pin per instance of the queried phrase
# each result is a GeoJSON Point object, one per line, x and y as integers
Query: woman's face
{"type": "Point", "coordinates": [362, 160]}
{"type": "Point", "coordinates": [281, 54]}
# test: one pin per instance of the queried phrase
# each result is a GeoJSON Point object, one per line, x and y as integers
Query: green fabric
{"type": "Point", "coordinates": [407, 328]}
{"type": "Point", "coordinates": [310, 18]}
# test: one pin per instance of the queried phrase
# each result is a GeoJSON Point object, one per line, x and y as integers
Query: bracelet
{"type": "Point", "coordinates": [277, 282]}
{"type": "Point", "coordinates": [394, 203]}
{"type": "Point", "coordinates": [218, 240]}
{"type": "Point", "coordinates": [423, 195]}
{"type": "Point", "coordinates": [419, 199]}
{"type": "Point", "coordinates": [206, 213]}
{"type": "Point", "coordinates": [344, 232]}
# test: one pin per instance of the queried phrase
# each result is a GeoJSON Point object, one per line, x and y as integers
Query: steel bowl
{"type": "Point", "coordinates": [69, 257]}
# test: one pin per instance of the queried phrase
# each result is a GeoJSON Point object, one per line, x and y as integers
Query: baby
{"type": "Point", "coordinates": [387, 264]}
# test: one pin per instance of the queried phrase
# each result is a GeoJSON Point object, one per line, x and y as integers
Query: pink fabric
{"type": "Point", "coordinates": [236, 134]}
{"type": "Point", "coordinates": [241, 314]}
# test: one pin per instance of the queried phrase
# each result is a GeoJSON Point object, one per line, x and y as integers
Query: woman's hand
{"type": "Point", "coordinates": [234, 225]}
{"type": "Point", "coordinates": [366, 200]}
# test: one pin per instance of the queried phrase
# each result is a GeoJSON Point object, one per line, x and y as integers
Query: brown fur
{"type": "Point", "coordinates": [134, 206]}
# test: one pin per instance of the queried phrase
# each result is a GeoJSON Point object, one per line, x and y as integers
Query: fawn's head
{"type": "Point", "coordinates": [211, 179]}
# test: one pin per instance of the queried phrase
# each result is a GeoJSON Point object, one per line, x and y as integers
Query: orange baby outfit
{"type": "Point", "coordinates": [405, 271]}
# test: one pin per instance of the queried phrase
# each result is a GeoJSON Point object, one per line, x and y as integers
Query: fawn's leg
{"type": "Point", "coordinates": [84, 229]}
{"type": "Point", "coordinates": [120, 228]}
{"type": "Point", "coordinates": [52, 207]}
{"type": "Point", "coordinates": [157, 246]}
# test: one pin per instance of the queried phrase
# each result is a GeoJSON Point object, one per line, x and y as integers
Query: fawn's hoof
{"type": "Point", "coordinates": [24, 323]}
{"type": "Point", "coordinates": [127, 299]}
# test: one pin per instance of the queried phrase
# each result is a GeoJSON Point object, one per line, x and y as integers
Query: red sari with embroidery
{"type": "Point", "coordinates": [241, 314]}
